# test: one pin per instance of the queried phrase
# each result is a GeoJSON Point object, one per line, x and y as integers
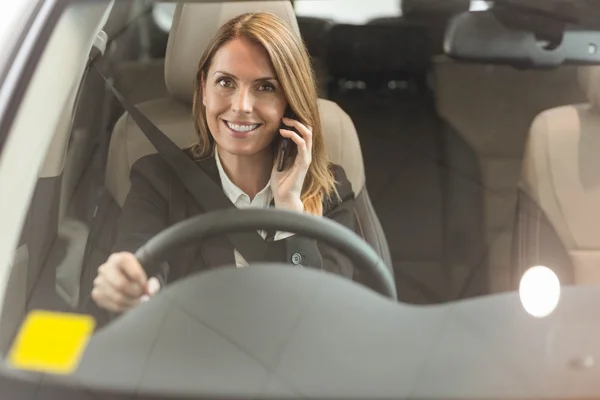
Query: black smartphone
{"type": "Point", "coordinates": [286, 150]}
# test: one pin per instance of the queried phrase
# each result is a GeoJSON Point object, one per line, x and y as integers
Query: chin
{"type": "Point", "coordinates": [243, 149]}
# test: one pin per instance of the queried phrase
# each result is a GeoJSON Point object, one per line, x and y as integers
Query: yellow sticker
{"type": "Point", "coordinates": [51, 342]}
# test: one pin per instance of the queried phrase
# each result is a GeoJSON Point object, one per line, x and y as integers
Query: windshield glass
{"type": "Point", "coordinates": [463, 177]}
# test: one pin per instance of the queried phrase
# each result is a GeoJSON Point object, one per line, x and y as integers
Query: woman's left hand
{"type": "Point", "coordinates": [287, 184]}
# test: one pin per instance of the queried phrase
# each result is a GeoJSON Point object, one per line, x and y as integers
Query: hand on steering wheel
{"type": "Point", "coordinates": [122, 283]}
{"type": "Point", "coordinates": [227, 221]}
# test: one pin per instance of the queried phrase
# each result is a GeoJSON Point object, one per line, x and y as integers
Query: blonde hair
{"type": "Point", "coordinates": [291, 62]}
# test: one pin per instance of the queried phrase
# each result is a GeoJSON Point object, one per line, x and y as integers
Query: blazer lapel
{"type": "Point", "coordinates": [218, 251]}
{"type": "Point", "coordinates": [209, 166]}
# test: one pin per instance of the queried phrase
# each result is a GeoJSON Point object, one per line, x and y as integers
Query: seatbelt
{"type": "Point", "coordinates": [205, 191]}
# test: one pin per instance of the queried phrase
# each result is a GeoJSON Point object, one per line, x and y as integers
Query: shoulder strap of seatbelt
{"type": "Point", "coordinates": [202, 188]}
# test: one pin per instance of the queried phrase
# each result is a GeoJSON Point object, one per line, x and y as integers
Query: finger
{"type": "Point", "coordinates": [119, 298]}
{"type": "Point", "coordinates": [308, 138]}
{"type": "Point", "coordinates": [111, 301]}
{"type": "Point", "coordinates": [115, 278]}
{"type": "Point", "coordinates": [153, 286]}
{"type": "Point", "coordinates": [297, 139]}
{"type": "Point", "coordinates": [102, 302]}
{"type": "Point", "coordinates": [303, 130]}
{"type": "Point", "coordinates": [131, 267]}
{"type": "Point", "coordinates": [105, 304]}
{"type": "Point", "coordinates": [115, 294]}
{"type": "Point", "coordinates": [303, 151]}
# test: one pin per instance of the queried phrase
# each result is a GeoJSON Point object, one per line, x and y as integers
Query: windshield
{"type": "Point", "coordinates": [456, 177]}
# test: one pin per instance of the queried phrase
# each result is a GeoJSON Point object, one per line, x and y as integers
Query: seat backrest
{"type": "Point", "coordinates": [193, 26]}
{"type": "Point", "coordinates": [560, 175]}
{"type": "Point", "coordinates": [491, 107]}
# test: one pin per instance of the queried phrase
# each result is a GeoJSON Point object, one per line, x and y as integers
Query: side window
{"type": "Point", "coordinates": [162, 13]}
{"type": "Point", "coordinates": [347, 11]}
{"type": "Point", "coordinates": [160, 26]}
{"type": "Point", "coordinates": [51, 237]}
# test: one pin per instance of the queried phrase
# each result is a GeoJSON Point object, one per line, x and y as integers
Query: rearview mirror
{"type": "Point", "coordinates": [484, 37]}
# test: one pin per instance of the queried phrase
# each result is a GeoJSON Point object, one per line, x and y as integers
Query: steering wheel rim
{"type": "Point", "coordinates": [220, 222]}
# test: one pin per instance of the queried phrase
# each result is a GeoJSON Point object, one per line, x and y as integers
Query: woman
{"type": "Point", "coordinates": [254, 70]}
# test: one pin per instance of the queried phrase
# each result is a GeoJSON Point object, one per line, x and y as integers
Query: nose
{"type": "Point", "coordinates": [243, 102]}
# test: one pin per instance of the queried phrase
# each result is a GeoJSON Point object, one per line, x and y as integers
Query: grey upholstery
{"type": "Point", "coordinates": [193, 25]}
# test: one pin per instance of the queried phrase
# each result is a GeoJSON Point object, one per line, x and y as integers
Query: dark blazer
{"type": "Point", "coordinates": [151, 205]}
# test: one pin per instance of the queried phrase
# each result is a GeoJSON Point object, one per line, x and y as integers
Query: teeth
{"type": "Point", "coordinates": [242, 128]}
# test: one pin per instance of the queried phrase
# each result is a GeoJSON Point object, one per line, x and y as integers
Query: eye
{"type": "Point", "coordinates": [266, 87]}
{"type": "Point", "coordinates": [225, 82]}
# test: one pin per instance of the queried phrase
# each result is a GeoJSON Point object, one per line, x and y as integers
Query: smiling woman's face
{"type": "Point", "coordinates": [243, 99]}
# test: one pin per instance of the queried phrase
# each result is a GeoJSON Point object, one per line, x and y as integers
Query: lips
{"type": "Point", "coordinates": [241, 129]}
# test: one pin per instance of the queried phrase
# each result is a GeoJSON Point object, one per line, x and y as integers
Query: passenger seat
{"type": "Point", "coordinates": [491, 107]}
{"type": "Point", "coordinates": [558, 223]}
{"type": "Point", "coordinates": [423, 177]}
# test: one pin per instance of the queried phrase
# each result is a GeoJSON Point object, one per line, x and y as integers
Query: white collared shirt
{"type": "Point", "coordinates": [240, 199]}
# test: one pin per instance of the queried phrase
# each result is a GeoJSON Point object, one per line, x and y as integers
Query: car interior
{"type": "Point", "coordinates": [445, 148]}
{"type": "Point", "coordinates": [557, 174]}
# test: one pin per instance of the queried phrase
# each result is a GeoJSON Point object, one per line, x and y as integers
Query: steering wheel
{"type": "Point", "coordinates": [220, 222]}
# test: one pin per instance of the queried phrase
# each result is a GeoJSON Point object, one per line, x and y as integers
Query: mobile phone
{"type": "Point", "coordinates": [286, 150]}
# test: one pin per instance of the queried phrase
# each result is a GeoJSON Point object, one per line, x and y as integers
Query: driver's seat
{"type": "Point", "coordinates": [193, 26]}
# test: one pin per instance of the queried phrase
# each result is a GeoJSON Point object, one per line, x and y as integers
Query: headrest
{"type": "Point", "coordinates": [384, 51]}
{"type": "Point", "coordinates": [194, 25]}
{"type": "Point", "coordinates": [314, 33]}
{"type": "Point", "coordinates": [589, 79]}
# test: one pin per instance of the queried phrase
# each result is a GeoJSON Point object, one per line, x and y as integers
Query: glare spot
{"type": "Point", "coordinates": [539, 291]}
{"type": "Point", "coordinates": [479, 5]}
